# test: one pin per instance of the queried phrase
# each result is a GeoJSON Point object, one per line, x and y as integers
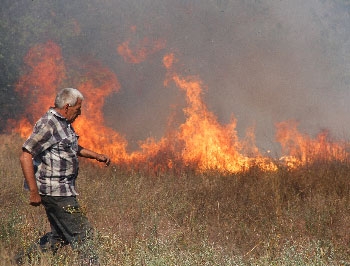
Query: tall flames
{"type": "Point", "coordinates": [200, 143]}
{"type": "Point", "coordinates": [300, 149]}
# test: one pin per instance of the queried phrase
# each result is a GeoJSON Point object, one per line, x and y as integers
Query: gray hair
{"type": "Point", "coordinates": [68, 96]}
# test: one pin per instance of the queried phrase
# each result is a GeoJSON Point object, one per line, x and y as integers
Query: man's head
{"type": "Point", "coordinates": [68, 101]}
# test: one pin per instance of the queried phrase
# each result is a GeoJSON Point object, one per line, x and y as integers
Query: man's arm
{"type": "Point", "coordinates": [93, 155]}
{"type": "Point", "coordinates": [28, 172]}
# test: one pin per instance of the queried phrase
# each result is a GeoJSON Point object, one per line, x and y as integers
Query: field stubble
{"type": "Point", "coordinates": [299, 217]}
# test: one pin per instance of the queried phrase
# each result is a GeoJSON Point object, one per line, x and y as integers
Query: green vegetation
{"type": "Point", "coordinates": [299, 217]}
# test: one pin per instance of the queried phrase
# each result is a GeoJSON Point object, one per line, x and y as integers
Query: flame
{"type": "Point", "coordinates": [208, 144]}
{"type": "Point", "coordinates": [200, 143]}
{"type": "Point", "coordinates": [300, 149]}
{"type": "Point", "coordinates": [25, 127]}
{"type": "Point", "coordinates": [168, 60]}
{"type": "Point", "coordinates": [46, 71]}
{"type": "Point", "coordinates": [99, 82]}
{"type": "Point", "coordinates": [142, 49]}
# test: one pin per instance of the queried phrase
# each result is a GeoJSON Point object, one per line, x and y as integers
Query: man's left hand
{"type": "Point", "coordinates": [103, 158]}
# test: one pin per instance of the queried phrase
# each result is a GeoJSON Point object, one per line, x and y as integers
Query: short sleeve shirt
{"type": "Point", "coordinates": [54, 147]}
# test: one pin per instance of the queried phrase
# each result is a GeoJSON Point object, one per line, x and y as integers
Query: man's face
{"type": "Point", "coordinates": [72, 112]}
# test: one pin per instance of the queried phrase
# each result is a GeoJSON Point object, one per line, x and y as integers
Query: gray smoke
{"type": "Point", "coordinates": [260, 61]}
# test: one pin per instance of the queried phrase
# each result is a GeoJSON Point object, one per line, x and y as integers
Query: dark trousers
{"type": "Point", "coordinates": [69, 225]}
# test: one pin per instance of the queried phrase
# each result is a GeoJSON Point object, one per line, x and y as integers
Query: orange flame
{"type": "Point", "coordinates": [46, 71]}
{"type": "Point", "coordinates": [207, 143]}
{"type": "Point", "coordinates": [200, 143]}
{"type": "Point", "coordinates": [300, 149]}
{"type": "Point", "coordinates": [142, 49]}
{"type": "Point", "coordinates": [99, 82]}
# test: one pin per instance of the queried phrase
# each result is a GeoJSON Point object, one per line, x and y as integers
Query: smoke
{"type": "Point", "coordinates": [262, 62]}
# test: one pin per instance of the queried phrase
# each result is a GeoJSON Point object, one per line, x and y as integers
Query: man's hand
{"type": "Point", "coordinates": [34, 198]}
{"type": "Point", "coordinates": [103, 158]}
{"type": "Point", "coordinates": [28, 171]}
{"type": "Point", "coordinates": [93, 155]}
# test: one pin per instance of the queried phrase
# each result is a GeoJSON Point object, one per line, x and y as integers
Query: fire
{"type": "Point", "coordinates": [168, 60]}
{"type": "Point", "coordinates": [207, 143]}
{"type": "Point", "coordinates": [300, 149]}
{"type": "Point", "coordinates": [200, 143]}
{"type": "Point", "coordinates": [142, 49]}
{"type": "Point", "coordinates": [99, 82]}
{"type": "Point", "coordinates": [46, 71]}
{"type": "Point", "coordinates": [25, 127]}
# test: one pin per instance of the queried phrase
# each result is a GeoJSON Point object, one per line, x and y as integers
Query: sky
{"type": "Point", "coordinates": [259, 61]}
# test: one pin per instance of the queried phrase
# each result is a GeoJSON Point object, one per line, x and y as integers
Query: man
{"type": "Point", "coordinates": [49, 162]}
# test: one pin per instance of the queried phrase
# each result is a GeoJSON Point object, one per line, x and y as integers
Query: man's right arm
{"type": "Point", "coordinates": [26, 160]}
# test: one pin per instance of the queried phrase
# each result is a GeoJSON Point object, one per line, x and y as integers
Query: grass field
{"type": "Point", "coordinates": [287, 217]}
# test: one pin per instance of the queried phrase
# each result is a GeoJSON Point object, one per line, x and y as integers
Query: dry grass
{"type": "Point", "coordinates": [299, 217]}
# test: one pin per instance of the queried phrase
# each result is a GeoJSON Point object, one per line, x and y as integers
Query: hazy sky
{"type": "Point", "coordinates": [261, 61]}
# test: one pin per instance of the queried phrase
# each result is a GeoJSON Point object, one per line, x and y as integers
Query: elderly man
{"type": "Point", "coordinates": [49, 162]}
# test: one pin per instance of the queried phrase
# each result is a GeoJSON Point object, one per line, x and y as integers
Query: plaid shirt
{"type": "Point", "coordinates": [54, 147]}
